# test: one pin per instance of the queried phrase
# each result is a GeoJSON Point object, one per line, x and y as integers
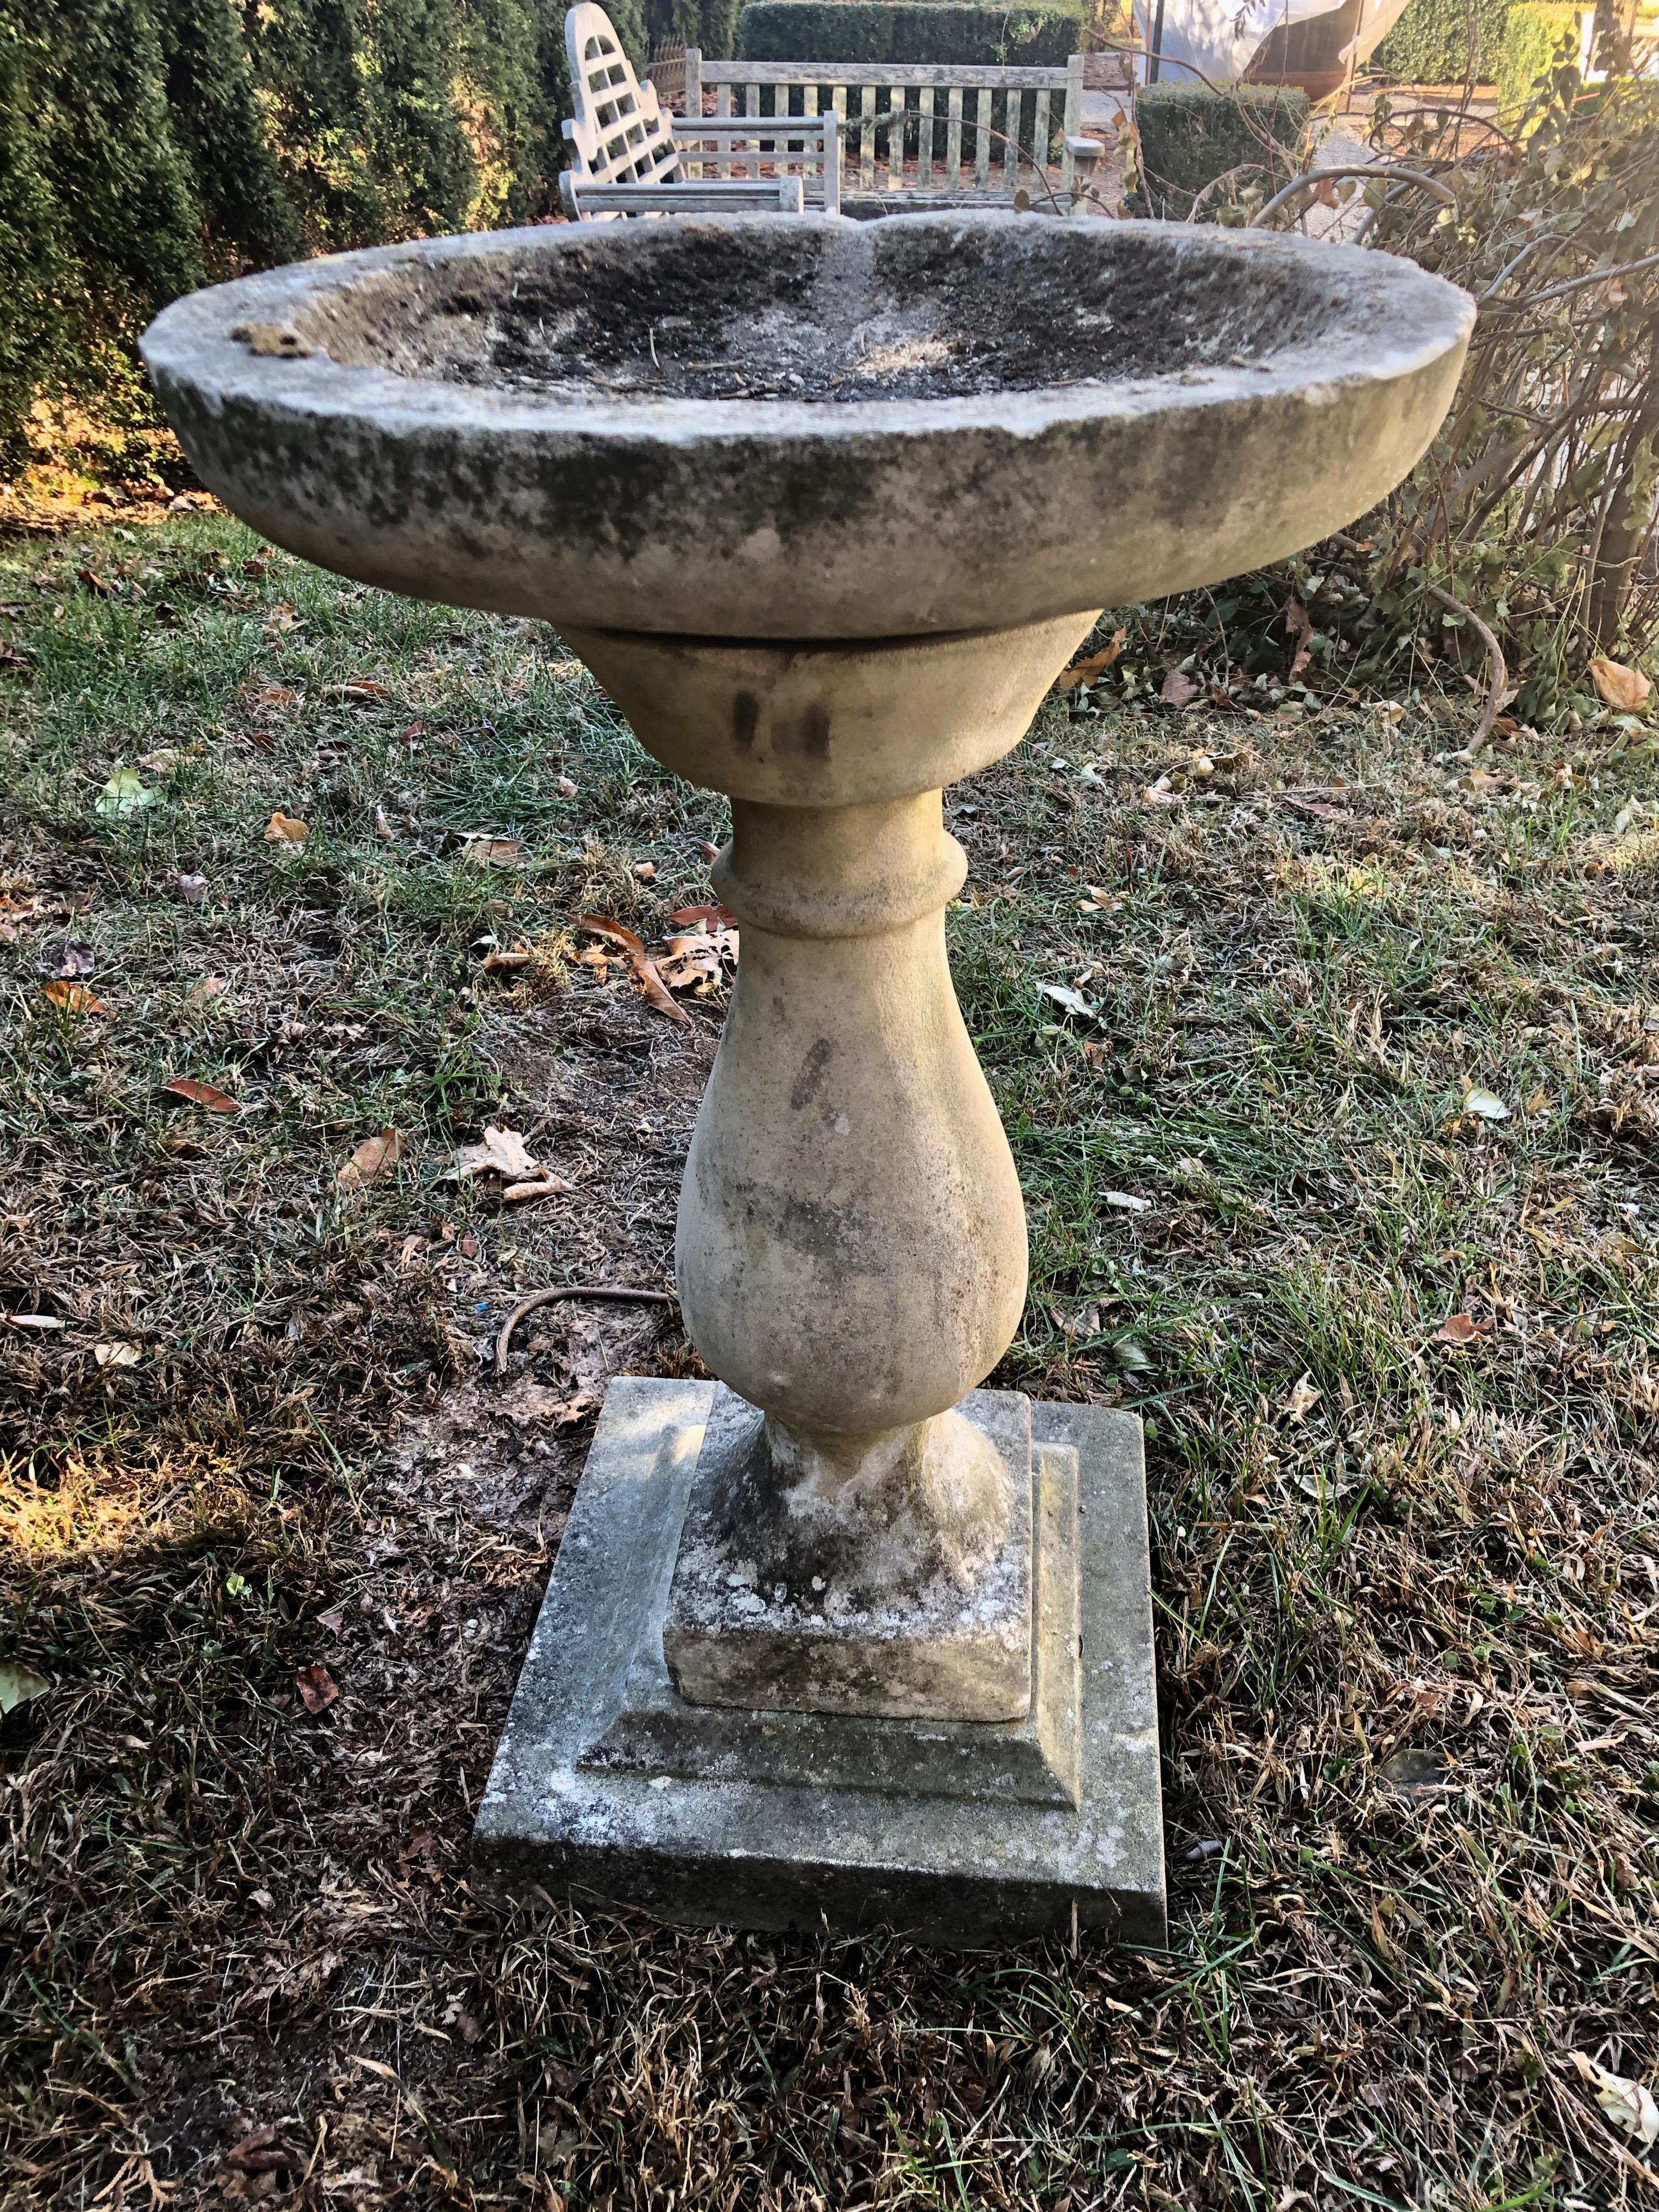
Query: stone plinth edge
{"type": "Point", "coordinates": [723, 1846]}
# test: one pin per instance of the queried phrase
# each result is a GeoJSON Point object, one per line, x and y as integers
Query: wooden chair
{"type": "Point", "coordinates": [626, 155]}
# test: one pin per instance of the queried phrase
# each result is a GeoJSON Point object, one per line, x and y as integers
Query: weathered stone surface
{"type": "Point", "coordinates": [904, 1588]}
{"type": "Point", "coordinates": [607, 1787]}
{"type": "Point", "coordinates": [526, 419]}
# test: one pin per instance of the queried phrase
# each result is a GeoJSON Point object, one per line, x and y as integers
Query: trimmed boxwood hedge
{"type": "Point", "coordinates": [953, 31]}
{"type": "Point", "coordinates": [1190, 136]}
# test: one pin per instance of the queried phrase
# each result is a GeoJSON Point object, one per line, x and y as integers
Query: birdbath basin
{"type": "Point", "coordinates": [826, 507]}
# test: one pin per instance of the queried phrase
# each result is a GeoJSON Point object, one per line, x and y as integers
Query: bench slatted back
{"type": "Point", "coordinates": [973, 133]}
{"type": "Point", "coordinates": [619, 134]}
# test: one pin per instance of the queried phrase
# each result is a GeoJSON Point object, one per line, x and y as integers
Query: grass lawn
{"type": "Point", "coordinates": [1396, 1356]}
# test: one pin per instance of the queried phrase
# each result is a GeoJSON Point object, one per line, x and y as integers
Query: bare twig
{"type": "Point", "coordinates": [1389, 170]}
{"type": "Point", "coordinates": [605, 1291]}
{"type": "Point", "coordinates": [1498, 672]}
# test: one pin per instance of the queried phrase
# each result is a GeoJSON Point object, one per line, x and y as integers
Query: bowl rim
{"type": "Point", "coordinates": [189, 346]}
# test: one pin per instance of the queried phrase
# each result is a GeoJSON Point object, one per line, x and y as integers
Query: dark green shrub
{"type": "Point", "coordinates": [1190, 136]}
{"type": "Point", "coordinates": [149, 145]}
{"type": "Point", "coordinates": [1445, 42]}
{"type": "Point", "coordinates": [955, 32]}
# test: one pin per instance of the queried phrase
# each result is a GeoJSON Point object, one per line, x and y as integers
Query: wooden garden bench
{"type": "Point", "coordinates": [921, 135]}
{"type": "Point", "coordinates": [626, 153]}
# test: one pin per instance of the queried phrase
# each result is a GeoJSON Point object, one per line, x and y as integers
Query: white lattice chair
{"type": "Point", "coordinates": [626, 155]}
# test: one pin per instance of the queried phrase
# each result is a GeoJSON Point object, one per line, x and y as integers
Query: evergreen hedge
{"type": "Point", "coordinates": [147, 146]}
{"type": "Point", "coordinates": [1445, 42]}
{"type": "Point", "coordinates": [954, 31]}
{"type": "Point", "coordinates": [1190, 136]}
{"type": "Point", "coordinates": [1532, 37]}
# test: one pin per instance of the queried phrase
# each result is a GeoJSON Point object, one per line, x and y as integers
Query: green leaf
{"type": "Point", "coordinates": [20, 1684]}
{"type": "Point", "coordinates": [124, 794]}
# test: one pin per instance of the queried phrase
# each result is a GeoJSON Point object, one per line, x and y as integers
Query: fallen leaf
{"type": "Point", "coordinates": [645, 870]}
{"type": "Point", "coordinates": [1302, 1399]}
{"type": "Point", "coordinates": [1093, 664]}
{"type": "Point", "coordinates": [277, 694]}
{"type": "Point", "coordinates": [124, 794]}
{"type": "Point", "coordinates": [1536, 1104]}
{"type": "Point", "coordinates": [286, 829]}
{"type": "Point", "coordinates": [1490, 1108]}
{"type": "Point", "coordinates": [1160, 793]}
{"type": "Point", "coordinates": [709, 852]}
{"type": "Point", "coordinates": [1622, 687]}
{"type": "Point", "coordinates": [20, 1684]}
{"type": "Point", "coordinates": [565, 788]}
{"type": "Point", "coordinates": [200, 1094]}
{"type": "Point", "coordinates": [375, 1156]}
{"type": "Point", "coordinates": [716, 917]}
{"type": "Point", "coordinates": [1177, 689]}
{"type": "Point", "coordinates": [35, 1321]}
{"type": "Point", "coordinates": [117, 1354]}
{"type": "Point", "coordinates": [161, 761]}
{"type": "Point", "coordinates": [502, 1152]}
{"type": "Point", "coordinates": [1456, 1328]}
{"type": "Point", "coordinates": [333, 1621]}
{"type": "Point", "coordinates": [640, 960]}
{"type": "Point", "coordinates": [68, 956]}
{"type": "Point", "coordinates": [1063, 996]}
{"type": "Point", "coordinates": [73, 998]}
{"type": "Point", "coordinates": [256, 567]}
{"type": "Point", "coordinates": [528, 1401]}
{"type": "Point", "coordinates": [204, 993]}
{"type": "Point", "coordinates": [1629, 2105]}
{"type": "Point", "coordinates": [496, 960]}
{"type": "Point", "coordinates": [259, 2152]}
{"type": "Point", "coordinates": [1131, 1356]}
{"type": "Point", "coordinates": [544, 1186]}
{"type": "Point", "coordinates": [1299, 625]}
{"type": "Point", "coordinates": [697, 957]}
{"type": "Point", "coordinates": [95, 583]}
{"type": "Point", "coordinates": [486, 851]}
{"type": "Point", "coordinates": [361, 690]}
{"type": "Point", "coordinates": [316, 1686]}
{"type": "Point", "coordinates": [193, 890]}
{"type": "Point", "coordinates": [383, 828]}
{"type": "Point", "coordinates": [263, 1899]}
{"type": "Point", "coordinates": [1125, 1201]}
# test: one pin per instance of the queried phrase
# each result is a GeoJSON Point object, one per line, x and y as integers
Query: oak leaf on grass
{"type": "Point", "coordinates": [72, 997]}
{"type": "Point", "coordinates": [651, 982]}
{"type": "Point", "coordinates": [286, 829]}
{"type": "Point", "coordinates": [206, 1095]}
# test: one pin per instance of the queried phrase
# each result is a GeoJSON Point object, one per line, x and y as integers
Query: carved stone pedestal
{"type": "Point", "coordinates": [851, 1637]}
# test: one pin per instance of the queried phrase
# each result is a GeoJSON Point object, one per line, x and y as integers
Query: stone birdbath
{"type": "Point", "coordinates": [826, 507]}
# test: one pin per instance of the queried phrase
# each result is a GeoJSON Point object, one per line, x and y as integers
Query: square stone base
{"type": "Point", "coordinates": [608, 1787]}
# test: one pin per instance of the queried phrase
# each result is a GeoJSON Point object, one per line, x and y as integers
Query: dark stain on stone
{"type": "Point", "coordinates": [811, 1074]}
{"type": "Point", "coordinates": [745, 717]}
{"type": "Point", "coordinates": [815, 729]}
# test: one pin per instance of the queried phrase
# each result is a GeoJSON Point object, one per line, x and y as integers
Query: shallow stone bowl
{"type": "Point", "coordinates": [762, 427]}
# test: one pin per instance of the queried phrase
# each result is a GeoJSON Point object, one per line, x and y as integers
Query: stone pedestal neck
{"type": "Point", "coordinates": [851, 1256]}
